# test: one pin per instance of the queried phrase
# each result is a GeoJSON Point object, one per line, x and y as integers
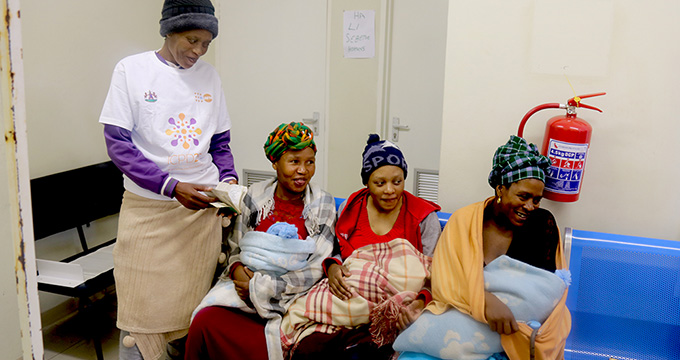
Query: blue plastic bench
{"type": "Point", "coordinates": [624, 297]}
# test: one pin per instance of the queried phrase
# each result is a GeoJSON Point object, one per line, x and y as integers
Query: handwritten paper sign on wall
{"type": "Point", "coordinates": [359, 34]}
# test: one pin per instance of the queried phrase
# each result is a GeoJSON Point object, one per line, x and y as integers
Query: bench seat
{"type": "Point", "coordinates": [624, 297]}
{"type": "Point", "coordinates": [70, 200]}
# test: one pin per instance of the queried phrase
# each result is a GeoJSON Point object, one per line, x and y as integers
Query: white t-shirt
{"type": "Point", "coordinates": [172, 115]}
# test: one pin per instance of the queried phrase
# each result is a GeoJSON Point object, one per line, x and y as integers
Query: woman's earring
{"type": "Point", "coordinates": [498, 200]}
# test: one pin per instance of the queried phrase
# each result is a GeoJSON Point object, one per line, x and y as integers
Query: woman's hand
{"type": "Point", "coordinates": [241, 277]}
{"type": "Point", "coordinates": [498, 315]}
{"type": "Point", "coordinates": [191, 197]}
{"type": "Point", "coordinates": [410, 313]}
{"type": "Point", "coordinates": [336, 281]}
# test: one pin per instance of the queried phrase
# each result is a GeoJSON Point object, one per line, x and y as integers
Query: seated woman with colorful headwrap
{"type": "Point", "coordinates": [489, 260]}
{"type": "Point", "coordinates": [378, 269]}
{"type": "Point", "coordinates": [240, 317]}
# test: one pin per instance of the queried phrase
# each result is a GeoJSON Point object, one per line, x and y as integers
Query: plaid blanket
{"type": "Point", "coordinates": [382, 273]}
{"type": "Point", "coordinates": [272, 294]}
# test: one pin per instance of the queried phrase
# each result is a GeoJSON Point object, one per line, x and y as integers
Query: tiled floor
{"type": "Point", "coordinates": [67, 339]}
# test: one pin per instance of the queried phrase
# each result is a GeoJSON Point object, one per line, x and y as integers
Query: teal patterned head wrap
{"type": "Point", "coordinates": [517, 160]}
{"type": "Point", "coordinates": [293, 136]}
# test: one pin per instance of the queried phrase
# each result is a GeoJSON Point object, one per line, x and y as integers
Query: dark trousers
{"type": "Point", "coordinates": [346, 344]}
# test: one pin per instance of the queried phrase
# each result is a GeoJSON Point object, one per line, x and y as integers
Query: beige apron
{"type": "Point", "coordinates": [164, 262]}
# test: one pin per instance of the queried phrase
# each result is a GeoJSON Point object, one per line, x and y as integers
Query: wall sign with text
{"type": "Point", "coordinates": [359, 34]}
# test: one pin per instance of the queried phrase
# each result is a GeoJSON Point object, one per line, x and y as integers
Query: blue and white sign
{"type": "Point", "coordinates": [567, 162]}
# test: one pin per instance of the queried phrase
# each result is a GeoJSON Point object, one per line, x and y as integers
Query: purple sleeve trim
{"type": "Point", "coordinates": [222, 156]}
{"type": "Point", "coordinates": [133, 164]}
{"type": "Point", "coordinates": [168, 188]}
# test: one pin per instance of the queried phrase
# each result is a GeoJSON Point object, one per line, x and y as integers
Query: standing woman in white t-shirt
{"type": "Point", "coordinates": [167, 128]}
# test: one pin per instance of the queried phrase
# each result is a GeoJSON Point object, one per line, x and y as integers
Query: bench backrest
{"type": "Point", "coordinates": [624, 297]}
{"type": "Point", "coordinates": [71, 198]}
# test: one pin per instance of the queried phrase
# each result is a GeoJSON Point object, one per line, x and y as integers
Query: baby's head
{"type": "Point", "coordinates": [284, 230]}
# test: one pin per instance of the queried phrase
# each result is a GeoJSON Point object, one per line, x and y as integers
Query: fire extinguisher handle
{"type": "Point", "coordinates": [592, 95]}
{"type": "Point", "coordinates": [520, 131]}
{"type": "Point", "coordinates": [576, 101]}
{"type": "Point", "coordinates": [581, 105]}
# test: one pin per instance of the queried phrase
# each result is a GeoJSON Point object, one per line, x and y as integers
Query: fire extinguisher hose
{"type": "Point", "coordinates": [520, 131]}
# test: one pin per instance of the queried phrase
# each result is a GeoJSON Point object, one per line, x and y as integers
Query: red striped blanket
{"type": "Point", "coordinates": [380, 274]}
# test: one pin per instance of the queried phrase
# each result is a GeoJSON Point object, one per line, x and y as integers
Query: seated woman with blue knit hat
{"type": "Point", "coordinates": [494, 272]}
{"type": "Point", "coordinates": [276, 250]}
{"type": "Point", "coordinates": [385, 236]}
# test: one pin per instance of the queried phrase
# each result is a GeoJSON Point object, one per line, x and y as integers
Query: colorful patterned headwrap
{"type": "Point", "coordinates": [517, 160]}
{"type": "Point", "coordinates": [293, 136]}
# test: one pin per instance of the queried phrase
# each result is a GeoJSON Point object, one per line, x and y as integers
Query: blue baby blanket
{"type": "Point", "coordinates": [530, 293]}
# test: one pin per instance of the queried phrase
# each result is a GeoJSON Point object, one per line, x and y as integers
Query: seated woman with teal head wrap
{"type": "Point", "coordinates": [514, 225]}
{"type": "Point", "coordinates": [482, 298]}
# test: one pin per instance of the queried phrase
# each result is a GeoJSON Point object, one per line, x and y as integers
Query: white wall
{"type": "Point", "coordinates": [630, 183]}
{"type": "Point", "coordinates": [271, 56]}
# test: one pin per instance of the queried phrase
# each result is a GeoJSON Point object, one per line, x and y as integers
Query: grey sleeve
{"type": "Point", "coordinates": [341, 208]}
{"type": "Point", "coordinates": [430, 229]}
{"type": "Point", "coordinates": [336, 245]}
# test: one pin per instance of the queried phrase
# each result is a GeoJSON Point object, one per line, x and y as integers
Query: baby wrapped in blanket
{"type": "Point", "coordinates": [383, 275]}
{"type": "Point", "coordinates": [277, 251]}
{"type": "Point", "coordinates": [530, 293]}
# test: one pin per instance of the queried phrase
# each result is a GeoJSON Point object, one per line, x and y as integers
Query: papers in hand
{"type": "Point", "coordinates": [230, 196]}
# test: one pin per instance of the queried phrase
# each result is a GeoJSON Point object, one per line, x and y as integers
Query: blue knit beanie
{"type": "Point", "coordinates": [379, 153]}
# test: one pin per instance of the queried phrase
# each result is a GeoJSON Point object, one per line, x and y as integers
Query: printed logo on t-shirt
{"type": "Point", "coordinates": [150, 96]}
{"type": "Point", "coordinates": [183, 131]}
{"type": "Point", "coordinates": [202, 97]}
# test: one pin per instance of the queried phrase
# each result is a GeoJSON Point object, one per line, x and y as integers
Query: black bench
{"type": "Point", "coordinates": [72, 200]}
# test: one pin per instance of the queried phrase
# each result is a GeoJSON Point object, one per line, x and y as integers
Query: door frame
{"type": "Point", "coordinates": [16, 147]}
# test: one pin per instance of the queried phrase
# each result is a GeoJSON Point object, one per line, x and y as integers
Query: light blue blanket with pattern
{"type": "Point", "coordinates": [277, 251]}
{"type": "Point", "coordinates": [530, 293]}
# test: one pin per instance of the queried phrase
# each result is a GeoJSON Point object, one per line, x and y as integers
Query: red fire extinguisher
{"type": "Point", "coordinates": [566, 143]}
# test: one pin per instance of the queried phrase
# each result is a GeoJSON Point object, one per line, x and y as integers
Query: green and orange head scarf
{"type": "Point", "coordinates": [517, 160]}
{"type": "Point", "coordinates": [293, 136]}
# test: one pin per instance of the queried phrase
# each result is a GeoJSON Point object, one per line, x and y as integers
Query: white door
{"type": "Point", "coordinates": [271, 55]}
{"type": "Point", "coordinates": [416, 84]}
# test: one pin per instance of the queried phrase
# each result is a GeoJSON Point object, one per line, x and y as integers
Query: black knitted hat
{"type": "Point", "coordinates": [184, 15]}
